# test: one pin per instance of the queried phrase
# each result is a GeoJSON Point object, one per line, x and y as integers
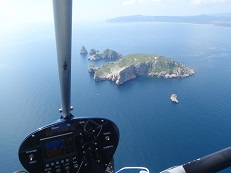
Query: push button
{"type": "Point", "coordinates": [76, 166]}
{"type": "Point", "coordinates": [58, 170]}
{"type": "Point", "coordinates": [107, 138]}
{"type": "Point", "coordinates": [67, 168]}
{"type": "Point", "coordinates": [31, 157]}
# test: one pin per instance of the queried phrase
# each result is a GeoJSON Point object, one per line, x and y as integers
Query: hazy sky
{"type": "Point", "coordinates": [27, 11]}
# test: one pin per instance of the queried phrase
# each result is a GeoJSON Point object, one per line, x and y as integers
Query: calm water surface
{"type": "Point", "coordinates": [155, 133]}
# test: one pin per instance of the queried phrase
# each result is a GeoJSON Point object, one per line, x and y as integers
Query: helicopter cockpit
{"type": "Point", "coordinates": [86, 145]}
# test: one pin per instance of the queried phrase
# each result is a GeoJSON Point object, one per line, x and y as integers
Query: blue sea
{"type": "Point", "coordinates": [154, 132]}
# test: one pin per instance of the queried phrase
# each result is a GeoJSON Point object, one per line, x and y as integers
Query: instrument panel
{"type": "Point", "coordinates": [83, 145]}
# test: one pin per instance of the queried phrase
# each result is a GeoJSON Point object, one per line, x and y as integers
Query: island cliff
{"type": "Point", "coordinates": [92, 68]}
{"type": "Point", "coordinates": [134, 65]}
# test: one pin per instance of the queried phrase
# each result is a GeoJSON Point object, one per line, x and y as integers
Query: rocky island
{"type": "Point", "coordinates": [107, 54]}
{"type": "Point", "coordinates": [174, 99]}
{"type": "Point", "coordinates": [83, 50]}
{"type": "Point", "coordinates": [134, 65]}
{"type": "Point", "coordinates": [93, 52]}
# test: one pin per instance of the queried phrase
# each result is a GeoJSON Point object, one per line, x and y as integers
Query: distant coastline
{"type": "Point", "coordinates": [223, 19]}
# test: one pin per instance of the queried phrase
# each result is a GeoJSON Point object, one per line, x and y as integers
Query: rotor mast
{"type": "Point", "coordinates": [63, 32]}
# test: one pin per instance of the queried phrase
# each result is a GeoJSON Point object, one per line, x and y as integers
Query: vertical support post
{"type": "Point", "coordinates": [63, 32]}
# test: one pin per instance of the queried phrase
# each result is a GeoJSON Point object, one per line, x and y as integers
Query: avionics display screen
{"type": "Point", "coordinates": [57, 146]}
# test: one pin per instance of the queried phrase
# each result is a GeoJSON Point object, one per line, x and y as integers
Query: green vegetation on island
{"type": "Point", "coordinates": [134, 65]}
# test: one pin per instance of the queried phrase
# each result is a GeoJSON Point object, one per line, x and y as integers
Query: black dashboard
{"type": "Point", "coordinates": [83, 145]}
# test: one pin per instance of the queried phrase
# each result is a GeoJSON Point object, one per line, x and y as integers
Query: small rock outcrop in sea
{"type": "Point", "coordinates": [110, 54]}
{"type": "Point", "coordinates": [92, 52]}
{"type": "Point", "coordinates": [173, 98]}
{"type": "Point", "coordinates": [92, 68]}
{"type": "Point", "coordinates": [83, 50]}
{"type": "Point", "coordinates": [107, 54]}
{"type": "Point", "coordinates": [134, 65]}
